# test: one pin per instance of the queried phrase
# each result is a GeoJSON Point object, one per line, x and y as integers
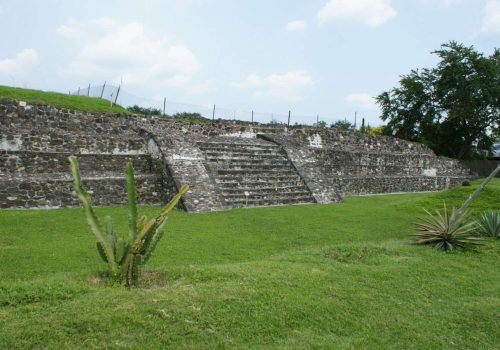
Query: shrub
{"type": "Point", "coordinates": [489, 223]}
{"type": "Point", "coordinates": [125, 255]}
{"type": "Point", "coordinates": [191, 117]}
{"type": "Point", "coordinates": [377, 130]}
{"type": "Point", "coordinates": [446, 232]}
{"type": "Point", "coordinates": [321, 124]}
{"type": "Point", "coordinates": [143, 110]}
{"type": "Point", "coordinates": [343, 125]}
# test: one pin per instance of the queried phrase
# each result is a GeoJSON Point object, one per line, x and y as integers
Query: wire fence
{"type": "Point", "coordinates": [166, 107]}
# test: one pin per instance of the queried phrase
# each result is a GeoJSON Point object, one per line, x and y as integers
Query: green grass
{"type": "Point", "coordinates": [340, 276]}
{"type": "Point", "coordinates": [84, 103]}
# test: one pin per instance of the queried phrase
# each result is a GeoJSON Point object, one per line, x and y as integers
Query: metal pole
{"type": "Point", "coordinates": [355, 119]}
{"type": "Point", "coordinates": [117, 93]}
{"type": "Point", "coordinates": [213, 113]}
{"type": "Point", "coordinates": [164, 104]}
{"type": "Point", "coordinates": [317, 120]}
{"type": "Point", "coordinates": [88, 91]}
{"type": "Point", "coordinates": [102, 91]}
{"type": "Point", "coordinates": [289, 113]}
{"type": "Point", "coordinates": [252, 116]}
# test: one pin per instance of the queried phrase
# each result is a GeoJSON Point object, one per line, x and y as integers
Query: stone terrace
{"type": "Point", "coordinates": [226, 164]}
{"type": "Point", "coordinates": [34, 169]}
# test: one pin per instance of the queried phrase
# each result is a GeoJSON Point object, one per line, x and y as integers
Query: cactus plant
{"type": "Point", "coordinates": [489, 223]}
{"type": "Point", "coordinates": [446, 231]}
{"type": "Point", "coordinates": [124, 255]}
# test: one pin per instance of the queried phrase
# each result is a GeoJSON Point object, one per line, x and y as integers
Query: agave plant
{"type": "Point", "coordinates": [125, 255]}
{"type": "Point", "coordinates": [489, 223]}
{"type": "Point", "coordinates": [445, 231]}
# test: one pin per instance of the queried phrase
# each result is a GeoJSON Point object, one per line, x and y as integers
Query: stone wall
{"type": "Point", "coordinates": [321, 164]}
{"type": "Point", "coordinates": [334, 164]}
{"type": "Point", "coordinates": [36, 141]}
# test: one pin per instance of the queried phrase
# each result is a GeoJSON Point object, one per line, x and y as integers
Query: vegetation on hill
{"type": "Point", "coordinates": [144, 110]}
{"type": "Point", "coordinates": [341, 276]}
{"type": "Point", "coordinates": [91, 104]}
{"type": "Point", "coordinates": [56, 99]}
{"type": "Point", "coordinates": [191, 117]}
{"type": "Point", "coordinates": [454, 108]}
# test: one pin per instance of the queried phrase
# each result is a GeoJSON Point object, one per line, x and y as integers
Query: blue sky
{"type": "Point", "coordinates": [326, 57]}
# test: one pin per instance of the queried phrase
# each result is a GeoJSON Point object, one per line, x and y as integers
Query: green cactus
{"type": "Point", "coordinates": [125, 256]}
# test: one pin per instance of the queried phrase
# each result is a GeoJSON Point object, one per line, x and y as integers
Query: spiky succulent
{"type": "Point", "coordinates": [445, 231]}
{"type": "Point", "coordinates": [489, 223]}
{"type": "Point", "coordinates": [124, 255]}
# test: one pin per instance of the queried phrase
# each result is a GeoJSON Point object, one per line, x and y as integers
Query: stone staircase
{"type": "Point", "coordinates": [253, 172]}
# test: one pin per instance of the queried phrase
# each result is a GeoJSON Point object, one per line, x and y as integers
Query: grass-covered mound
{"type": "Point", "coordinates": [312, 276]}
{"type": "Point", "coordinates": [56, 99]}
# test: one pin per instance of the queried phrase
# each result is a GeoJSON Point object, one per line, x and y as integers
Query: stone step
{"type": "Point", "coordinates": [228, 185]}
{"type": "Point", "coordinates": [241, 151]}
{"type": "Point", "coordinates": [73, 143]}
{"type": "Point", "coordinates": [247, 172]}
{"type": "Point", "coordinates": [253, 167]}
{"type": "Point", "coordinates": [66, 176]}
{"type": "Point", "coordinates": [249, 161]}
{"type": "Point", "coordinates": [237, 145]}
{"type": "Point", "coordinates": [287, 188]}
{"type": "Point", "coordinates": [257, 178]}
{"type": "Point", "coordinates": [29, 162]}
{"type": "Point", "coordinates": [231, 155]}
{"type": "Point", "coordinates": [240, 203]}
{"type": "Point", "coordinates": [45, 119]}
{"type": "Point", "coordinates": [51, 191]}
{"type": "Point", "coordinates": [266, 195]}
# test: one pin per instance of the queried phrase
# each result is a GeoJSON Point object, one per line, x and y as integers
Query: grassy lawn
{"type": "Point", "coordinates": [56, 99]}
{"type": "Point", "coordinates": [340, 276]}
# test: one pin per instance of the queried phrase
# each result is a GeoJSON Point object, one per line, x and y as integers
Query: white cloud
{"type": "Point", "coordinates": [491, 18]}
{"type": "Point", "coordinates": [20, 65]}
{"type": "Point", "coordinates": [289, 86]}
{"type": "Point", "coordinates": [444, 4]}
{"type": "Point", "coordinates": [440, 3]}
{"type": "Point", "coordinates": [448, 3]}
{"type": "Point", "coordinates": [113, 50]}
{"type": "Point", "coordinates": [361, 100]}
{"type": "Point", "coordinates": [296, 26]}
{"type": "Point", "coordinates": [369, 12]}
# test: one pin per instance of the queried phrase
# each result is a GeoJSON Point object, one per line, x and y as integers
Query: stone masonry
{"type": "Point", "coordinates": [226, 164]}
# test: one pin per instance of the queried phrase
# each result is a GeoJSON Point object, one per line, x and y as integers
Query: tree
{"type": "Point", "coordinates": [453, 108]}
{"type": "Point", "coordinates": [343, 125]}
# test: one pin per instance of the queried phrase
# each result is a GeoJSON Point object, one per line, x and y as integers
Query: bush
{"type": "Point", "coordinates": [343, 125]}
{"type": "Point", "coordinates": [191, 117]}
{"type": "Point", "coordinates": [489, 223]}
{"type": "Point", "coordinates": [446, 232]}
{"type": "Point", "coordinates": [145, 111]}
